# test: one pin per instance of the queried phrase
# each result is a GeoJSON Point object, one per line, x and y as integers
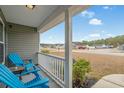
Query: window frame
{"type": "Point", "coordinates": [3, 41]}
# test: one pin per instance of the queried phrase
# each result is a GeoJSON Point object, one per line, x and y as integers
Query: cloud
{"type": "Point", "coordinates": [95, 35]}
{"type": "Point", "coordinates": [92, 37]}
{"type": "Point", "coordinates": [95, 21]}
{"type": "Point", "coordinates": [50, 37]}
{"type": "Point", "coordinates": [103, 31]}
{"type": "Point", "coordinates": [107, 7]}
{"type": "Point", "coordinates": [109, 35]}
{"type": "Point", "coordinates": [98, 31]}
{"type": "Point", "coordinates": [88, 14]}
{"type": "Point", "coordinates": [86, 38]}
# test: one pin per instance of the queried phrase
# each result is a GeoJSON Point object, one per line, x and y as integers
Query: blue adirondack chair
{"type": "Point", "coordinates": [28, 67]}
{"type": "Point", "coordinates": [12, 81]}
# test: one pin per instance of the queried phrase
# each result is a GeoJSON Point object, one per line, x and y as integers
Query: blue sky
{"type": "Point", "coordinates": [96, 22]}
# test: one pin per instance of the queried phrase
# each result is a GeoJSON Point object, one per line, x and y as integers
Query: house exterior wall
{"type": "Point", "coordinates": [24, 40]}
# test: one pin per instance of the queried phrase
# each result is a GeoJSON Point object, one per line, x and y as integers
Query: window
{"type": "Point", "coordinates": [1, 53]}
{"type": "Point", "coordinates": [2, 43]}
{"type": "Point", "coordinates": [1, 32]}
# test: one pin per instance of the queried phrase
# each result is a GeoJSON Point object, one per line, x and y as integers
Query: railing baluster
{"type": "Point", "coordinates": [57, 68]}
{"type": "Point", "coordinates": [60, 69]}
{"type": "Point", "coordinates": [54, 65]}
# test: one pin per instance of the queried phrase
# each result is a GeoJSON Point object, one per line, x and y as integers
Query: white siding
{"type": "Point", "coordinates": [23, 40]}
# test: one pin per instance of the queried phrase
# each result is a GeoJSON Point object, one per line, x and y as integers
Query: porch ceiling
{"type": "Point", "coordinates": [19, 14]}
{"type": "Point", "coordinates": [43, 17]}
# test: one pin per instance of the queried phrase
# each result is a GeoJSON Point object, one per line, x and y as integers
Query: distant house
{"type": "Point", "coordinates": [60, 46]}
{"type": "Point", "coordinates": [47, 45]}
{"type": "Point", "coordinates": [91, 47]}
{"type": "Point", "coordinates": [79, 45]}
{"type": "Point", "coordinates": [121, 47]}
{"type": "Point", "coordinates": [103, 46]}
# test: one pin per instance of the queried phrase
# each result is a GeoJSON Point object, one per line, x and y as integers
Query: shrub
{"type": "Point", "coordinates": [80, 68]}
{"type": "Point", "coordinates": [45, 51]}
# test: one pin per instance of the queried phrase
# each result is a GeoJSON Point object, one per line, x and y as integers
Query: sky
{"type": "Point", "coordinates": [97, 22]}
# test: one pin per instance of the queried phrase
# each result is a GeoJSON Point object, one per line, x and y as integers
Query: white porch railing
{"type": "Point", "coordinates": [53, 66]}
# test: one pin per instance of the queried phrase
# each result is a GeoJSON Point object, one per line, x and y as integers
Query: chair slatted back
{"type": "Point", "coordinates": [8, 78]}
{"type": "Point", "coordinates": [16, 59]}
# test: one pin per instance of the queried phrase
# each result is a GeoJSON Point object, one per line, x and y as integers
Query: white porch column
{"type": "Point", "coordinates": [68, 50]}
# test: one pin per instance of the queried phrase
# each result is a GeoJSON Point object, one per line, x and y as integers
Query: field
{"type": "Point", "coordinates": [103, 62]}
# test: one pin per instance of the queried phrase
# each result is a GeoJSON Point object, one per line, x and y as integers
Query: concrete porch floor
{"type": "Point", "coordinates": [110, 81]}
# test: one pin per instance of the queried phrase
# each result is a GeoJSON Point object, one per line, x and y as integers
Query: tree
{"type": "Point", "coordinates": [115, 41]}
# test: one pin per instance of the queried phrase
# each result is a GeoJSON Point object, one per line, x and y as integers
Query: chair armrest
{"type": "Point", "coordinates": [31, 61]}
{"type": "Point", "coordinates": [27, 61]}
{"type": "Point", "coordinates": [29, 64]}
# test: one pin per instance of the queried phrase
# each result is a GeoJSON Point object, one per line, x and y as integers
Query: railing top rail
{"type": "Point", "coordinates": [54, 56]}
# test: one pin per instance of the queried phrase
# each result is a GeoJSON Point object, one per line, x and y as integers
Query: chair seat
{"type": "Point", "coordinates": [27, 72]}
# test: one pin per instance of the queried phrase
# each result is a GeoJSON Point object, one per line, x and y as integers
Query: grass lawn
{"type": "Point", "coordinates": [101, 64]}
